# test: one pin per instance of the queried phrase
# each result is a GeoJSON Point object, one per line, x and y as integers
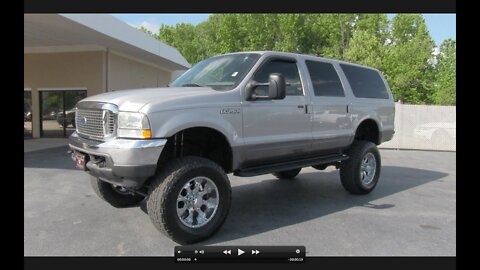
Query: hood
{"type": "Point", "coordinates": [134, 100]}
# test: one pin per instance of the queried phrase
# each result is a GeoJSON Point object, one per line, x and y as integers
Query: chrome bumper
{"type": "Point", "coordinates": [120, 161]}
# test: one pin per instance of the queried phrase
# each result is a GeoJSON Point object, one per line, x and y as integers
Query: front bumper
{"type": "Point", "coordinates": [124, 162]}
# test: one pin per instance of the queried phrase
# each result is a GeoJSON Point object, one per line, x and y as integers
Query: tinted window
{"type": "Point", "coordinates": [325, 79]}
{"type": "Point", "coordinates": [365, 83]}
{"type": "Point", "coordinates": [288, 69]}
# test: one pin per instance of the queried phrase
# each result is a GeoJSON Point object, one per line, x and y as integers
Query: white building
{"type": "Point", "coordinates": [71, 56]}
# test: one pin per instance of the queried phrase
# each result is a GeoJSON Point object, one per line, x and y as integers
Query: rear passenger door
{"type": "Point", "coordinates": [331, 123]}
{"type": "Point", "coordinates": [373, 99]}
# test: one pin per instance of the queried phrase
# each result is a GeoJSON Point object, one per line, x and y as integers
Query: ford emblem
{"type": "Point", "coordinates": [82, 120]}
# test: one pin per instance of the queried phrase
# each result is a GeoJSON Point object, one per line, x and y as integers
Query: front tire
{"type": "Point", "coordinates": [290, 174]}
{"type": "Point", "coordinates": [359, 174]}
{"type": "Point", "coordinates": [114, 195]}
{"type": "Point", "coordinates": [189, 199]}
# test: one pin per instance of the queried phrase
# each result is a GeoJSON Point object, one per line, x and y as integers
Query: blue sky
{"type": "Point", "coordinates": [441, 26]}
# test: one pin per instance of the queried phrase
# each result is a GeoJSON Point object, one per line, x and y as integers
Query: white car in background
{"type": "Point", "coordinates": [437, 131]}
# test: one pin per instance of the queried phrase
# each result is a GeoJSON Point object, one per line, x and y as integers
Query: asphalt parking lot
{"type": "Point", "coordinates": [411, 212]}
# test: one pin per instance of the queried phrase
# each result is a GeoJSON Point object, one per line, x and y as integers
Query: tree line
{"type": "Point", "coordinates": [417, 71]}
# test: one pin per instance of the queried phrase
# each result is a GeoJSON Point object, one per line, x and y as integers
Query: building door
{"type": "Point", "coordinates": [58, 111]}
{"type": "Point", "coordinates": [27, 114]}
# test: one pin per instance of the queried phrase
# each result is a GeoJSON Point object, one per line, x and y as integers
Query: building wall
{"type": "Point", "coordinates": [176, 74]}
{"type": "Point", "coordinates": [128, 73]}
{"type": "Point", "coordinates": [62, 70]}
{"type": "Point", "coordinates": [95, 71]}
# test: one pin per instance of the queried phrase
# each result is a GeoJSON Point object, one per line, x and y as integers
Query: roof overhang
{"type": "Point", "coordinates": [90, 32]}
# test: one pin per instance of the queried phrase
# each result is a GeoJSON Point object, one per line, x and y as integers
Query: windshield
{"type": "Point", "coordinates": [220, 73]}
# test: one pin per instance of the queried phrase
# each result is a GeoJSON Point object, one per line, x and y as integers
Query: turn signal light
{"type": "Point", "coordinates": [146, 133]}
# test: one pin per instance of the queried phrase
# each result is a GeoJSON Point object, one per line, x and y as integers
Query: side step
{"type": "Point", "coordinates": [290, 165]}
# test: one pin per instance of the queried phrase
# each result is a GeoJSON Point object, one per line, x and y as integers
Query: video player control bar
{"type": "Point", "coordinates": [195, 254]}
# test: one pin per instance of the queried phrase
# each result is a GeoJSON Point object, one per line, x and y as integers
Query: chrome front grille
{"type": "Point", "coordinates": [95, 123]}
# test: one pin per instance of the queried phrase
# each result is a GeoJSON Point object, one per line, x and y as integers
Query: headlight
{"type": "Point", "coordinates": [133, 125]}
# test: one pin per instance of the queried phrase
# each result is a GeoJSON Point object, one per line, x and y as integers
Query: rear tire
{"type": "Point", "coordinates": [359, 174]}
{"type": "Point", "coordinates": [115, 196]}
{"type": "Point", "coordinates": [189, 199]}
{"type": "Point", "coordinates": [290, 174]}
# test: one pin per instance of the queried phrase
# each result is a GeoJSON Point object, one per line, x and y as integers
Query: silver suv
{"type": "Point", "coordinates": [247, 113]}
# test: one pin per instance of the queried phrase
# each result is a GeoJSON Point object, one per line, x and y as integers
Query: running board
{"type": "Point", "coordinates": [290, 165]}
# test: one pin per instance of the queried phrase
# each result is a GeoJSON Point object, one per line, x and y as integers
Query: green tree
{"type": "Point", "coordinates": [446, 74]}
{"type": "Point", "coordinates": [408, 62]}
{"type": "Point", "coordinates": [367, 49]}
{"type": "Point", "coordinates": [376, 24]}
{"type": "Point", "coordinates": [181, 36]}
{"type": "Point", "coordinates": [401, 48]}
{"type": "Point", "coordinates": [333, 33]}
{"type": "Point", "coordinates": [337, 30]}
{"type": "Point", "coordinates": [293, 33]}
{"type": "Point", "coordinates": [367, 45]}
{"type": "Point", "coordinates": [263, 31]}
{"type": "Point", "coordinates": [145, 30]}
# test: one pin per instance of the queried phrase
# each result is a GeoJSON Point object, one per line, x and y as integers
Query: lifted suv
{"type": "Point", "coordinates": [248, 113]}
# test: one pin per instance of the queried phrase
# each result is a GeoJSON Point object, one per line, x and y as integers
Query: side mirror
{"type": "Point", "coordinates": [276, 88]}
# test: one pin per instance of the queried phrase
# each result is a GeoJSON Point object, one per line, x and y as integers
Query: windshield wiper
{"type": "Point", "coordinates": [191, 84]}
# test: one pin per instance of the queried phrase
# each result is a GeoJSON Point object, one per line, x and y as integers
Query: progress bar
{"type": "Point", "coordinates": [198, 254]}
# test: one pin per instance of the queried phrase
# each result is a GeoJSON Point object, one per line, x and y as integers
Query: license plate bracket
{"type": "Point", "coordinates": [80, 161]}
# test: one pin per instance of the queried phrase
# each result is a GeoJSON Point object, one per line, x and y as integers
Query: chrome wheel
{"type": "Point", "coordinates": [197, 202]}
{"type": "Point", "coordinates": [368, 168]}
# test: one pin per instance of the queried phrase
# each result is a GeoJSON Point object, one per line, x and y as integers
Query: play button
{"type": "Point", "coordinates": [240, 252]}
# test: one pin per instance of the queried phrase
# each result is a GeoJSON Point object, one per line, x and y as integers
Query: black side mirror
{"type": "Point", "coordinates": [276, 88]}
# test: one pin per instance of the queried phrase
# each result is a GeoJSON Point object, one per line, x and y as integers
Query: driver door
{"type": "Point", "coordinates": [277, 129]}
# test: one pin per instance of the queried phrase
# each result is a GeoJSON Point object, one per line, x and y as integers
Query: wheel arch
{"type": "Point", "coordinates": [369, 129]}
{"type": "Point", "coordinates": [175, 122]}
{"type": "Point", "coordinates": [202, 141]}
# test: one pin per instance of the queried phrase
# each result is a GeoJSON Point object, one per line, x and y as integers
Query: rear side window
{"type": "Point", "coordinates": [365, 83]}
{"type": "Point", "coordinates": [325, 79]}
